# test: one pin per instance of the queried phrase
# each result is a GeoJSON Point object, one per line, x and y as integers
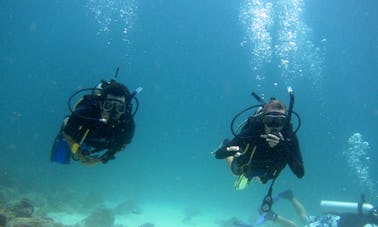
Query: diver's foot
{"type": "Point", "coordinates": [288, 194]}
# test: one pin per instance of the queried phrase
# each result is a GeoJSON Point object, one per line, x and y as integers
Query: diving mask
{"type": "Point", "coordinates": [109, 104]}
{"type": "Point", "coordinates": [274, 119]}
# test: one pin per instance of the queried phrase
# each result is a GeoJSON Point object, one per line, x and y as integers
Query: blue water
{"type": "Point", "coordinates": [195, 61]}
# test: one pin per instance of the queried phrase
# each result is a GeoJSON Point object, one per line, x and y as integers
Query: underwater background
{"type": "Point", "coordinates": [198, 62]}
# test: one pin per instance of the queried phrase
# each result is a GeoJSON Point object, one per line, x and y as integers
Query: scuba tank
{"type": "Point", "coordinates": [338, 207]}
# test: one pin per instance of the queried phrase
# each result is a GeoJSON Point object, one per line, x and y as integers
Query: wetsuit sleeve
{"type": "Point", "coordinates": [86, 107]}
{"type": "Point", "coordinates": [121, 142]}
{"type": "Point", "coordinates": [126, 136]}
{"type": "Point", "coordinates": [295, 160]}
{"type": "Point", "coordinates": [246, 132]}
{"type": "Point", "coordinates": [222, 152]}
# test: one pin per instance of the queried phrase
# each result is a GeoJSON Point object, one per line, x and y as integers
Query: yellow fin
{"type": "Point", "coordinates": [241, 182]}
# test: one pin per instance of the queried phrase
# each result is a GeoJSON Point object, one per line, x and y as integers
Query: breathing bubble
{"type": "Point", "coordinates": [113, 16]}
{"type": "Point", "coordinates": [277, 30]}
{"type": "Point", "coordinates": [358, 159]}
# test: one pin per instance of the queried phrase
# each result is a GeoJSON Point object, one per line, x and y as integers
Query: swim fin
{"type": "Point", "coordinates": [60, 151]}
{"type": "Point", "coordinates": [241, 182]}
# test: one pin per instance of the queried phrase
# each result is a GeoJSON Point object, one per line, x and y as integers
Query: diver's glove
{"type": "Point", "coordinates": [81, 152]}
{"type": "Point", "coordinates": [273, 139]}
{"type": "Point", "coordinates": [225, 151]}
{"type": "Point", "coordinates": [86, 159]}
{"type": "Point", "coordinates": [107, 156]}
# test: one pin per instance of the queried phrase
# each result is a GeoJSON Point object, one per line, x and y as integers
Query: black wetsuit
{"type": "Point", "coordinates": [111, 136]}
{"type": "Point", "coordinates": [266, 162]}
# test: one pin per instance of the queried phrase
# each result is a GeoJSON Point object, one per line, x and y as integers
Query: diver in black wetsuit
{"type": "Point", "coordinates": [101, 125]}
{"type": "Point", "coordinates": [334, 214]}
{"type": "Point", "coordinates": [264, 146]}
{"type": "Point", "coordinates": [112, 131]}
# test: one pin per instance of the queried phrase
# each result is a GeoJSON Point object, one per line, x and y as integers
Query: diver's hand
{"type": "Point", "coordinates": [272, 139]}
{"type": "Point", "coordinates": [109, 155]}
{"type": "Point", "coordinates": [223, 151]}
{"type": "Point", "coordinates": [106, 157]}
{"type": "Point", "coordinates": [87, 160]}
{"type": "Point", "coordinates": [226, 151]}
{"type": "Point", "coordinates": [90, 161]}
{"type": "Point", "coordinates": [235, 150]}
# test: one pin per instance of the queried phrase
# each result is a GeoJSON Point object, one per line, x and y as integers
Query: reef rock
{"type": "Point", "coordinates": [32, 222]}
{"type": "Point", "coordinates": [99, 218]}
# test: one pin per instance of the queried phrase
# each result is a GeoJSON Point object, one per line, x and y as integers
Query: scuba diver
{"type": "Point", "coordinates": [101, 124]}
{"type": "Point", "coordinates": [279, 219]}
{"type": "Point", "coordinates": [265, 144]}
{"type": "Point", "coordinates": [333, 214]}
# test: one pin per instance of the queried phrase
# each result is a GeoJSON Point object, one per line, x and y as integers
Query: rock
{"type": "Point", "coordinates": [100, 217]}
{"type": "Point", "coordinates": [23, 208]}
{"type": "Point", "coordinates": [189, 214]}
{"type": "Point", "coordinates": [227, 222]}
{"type": "Point", "coordinates": [128, 207]}
{"type": "Point", "coordinates": [147, 224]}
{"type": "Point", "coordinates": [3, 219]}
{"type": "Point", "coordinates": [32, 222]}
